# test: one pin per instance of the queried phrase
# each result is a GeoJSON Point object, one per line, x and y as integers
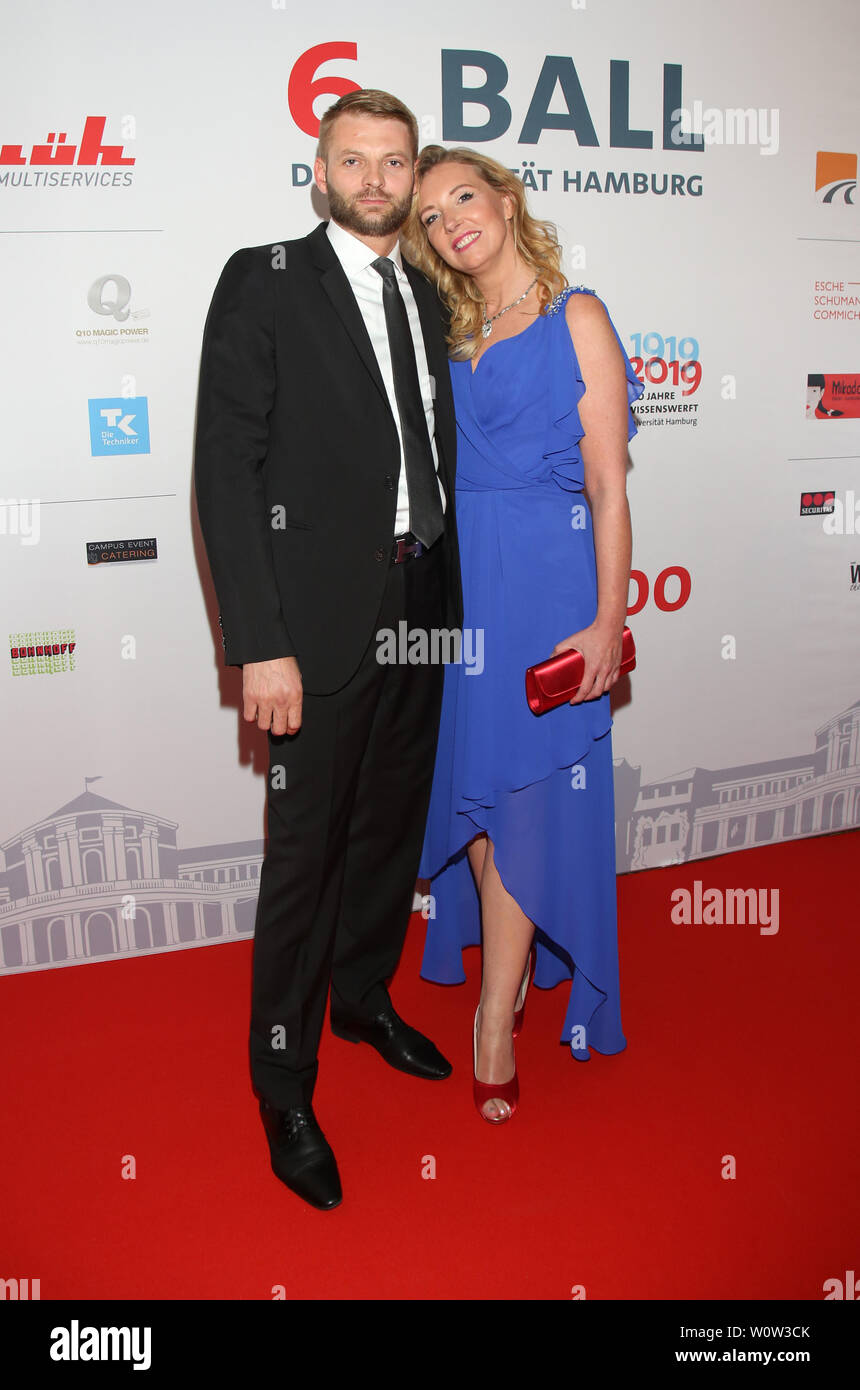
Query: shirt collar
{"type": "Point", "coordinates": [355, 255]}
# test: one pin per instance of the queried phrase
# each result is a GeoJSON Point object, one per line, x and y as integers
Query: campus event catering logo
{"type": "Point", "coordinates": [89, 161]}
{"type": "Point", "coordinates": [558, 102]}
{"type": "Point", "coordinates": [113, 552]}
{"type": "Point", "coordinates": [109, 298]}
{"type": "Point", "coordinates": [42, 653]}
{"type": "Point", "coordinates": [119, 425]}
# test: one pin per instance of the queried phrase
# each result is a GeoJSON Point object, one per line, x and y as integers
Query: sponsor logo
{"type": "Point", "coordinates": [119, 425]}
{"type": "Point", "coordinates": [671, 372]}
{"type": "Point", "coordinates": [112, 552]}
{"type": "Point", "coordinates": [817, 503]}
{"type": "Point", "coordinates": [89, 161]}
{"type": "Point", "coordinates": [42, 653]}
{"type": "Point", "coordinates": [832, 396]}
{"type": "Point", "coordinates": [835, 177]}
{"type": "Point", "coordinates": [109, 297]}
{"type": "Point", "coordinates": [836, 299]}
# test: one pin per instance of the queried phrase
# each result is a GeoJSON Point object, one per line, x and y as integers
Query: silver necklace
{"type": "Point", "coordinates": [487, 326]}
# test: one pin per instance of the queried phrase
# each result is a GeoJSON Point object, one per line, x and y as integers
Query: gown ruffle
{"type": "Point", "coordinates": [541, 786]}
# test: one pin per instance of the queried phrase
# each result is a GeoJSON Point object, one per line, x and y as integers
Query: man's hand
{"type": "Point", "coordinates": [272, 694]}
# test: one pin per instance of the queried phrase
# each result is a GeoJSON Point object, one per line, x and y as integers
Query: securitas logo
{"type": "Point", "coordinates": [87, 162]}
{"type": "Point", "coordinates": [119, 425]}
{"type": "Point", "coordinates": [835, 177]}
{"type": "Point", "coordinates": [817, 503]}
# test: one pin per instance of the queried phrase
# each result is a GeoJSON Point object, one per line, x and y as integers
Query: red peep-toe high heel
{"type": "Point", "coordinates": [507, 1091]}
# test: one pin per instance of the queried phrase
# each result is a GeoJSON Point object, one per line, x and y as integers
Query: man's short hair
{"type": "Point", "coordinates": [367, 102]}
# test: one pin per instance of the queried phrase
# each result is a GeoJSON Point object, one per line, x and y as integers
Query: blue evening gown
{"type": "Point", "coordinates": [540, 786]}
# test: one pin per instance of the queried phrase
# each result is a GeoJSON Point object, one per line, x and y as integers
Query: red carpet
{"type": "Point", "coordinates": [609, 1175]}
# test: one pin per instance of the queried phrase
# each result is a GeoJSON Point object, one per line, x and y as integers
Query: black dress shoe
{"type": "Point", "coordinates": [301, 1155]}
{"type": "Point", "coordinates": [400, 1046]}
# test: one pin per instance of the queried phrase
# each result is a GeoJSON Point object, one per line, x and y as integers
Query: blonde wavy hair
{"type": "Point", "coordinates": [536, 243]}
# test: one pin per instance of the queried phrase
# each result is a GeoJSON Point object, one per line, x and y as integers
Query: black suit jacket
{"type": "Point", "coordinates": [297, 459]}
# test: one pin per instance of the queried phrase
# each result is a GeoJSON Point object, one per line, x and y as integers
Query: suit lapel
{"type": "Point", "coordinates": [335, 284]}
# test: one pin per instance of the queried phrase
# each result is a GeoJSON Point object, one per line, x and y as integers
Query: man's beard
{"type": "Point", "coordinates": [381, 223]}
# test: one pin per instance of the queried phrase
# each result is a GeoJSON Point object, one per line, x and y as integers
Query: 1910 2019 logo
{"type": "Point", "coordinates": [119, 425]}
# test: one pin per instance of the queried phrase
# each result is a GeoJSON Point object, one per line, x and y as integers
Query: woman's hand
{"type": "Point", "coordinates": [600, 645]}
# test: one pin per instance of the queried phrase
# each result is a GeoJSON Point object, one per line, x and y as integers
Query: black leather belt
{"type": "Point", "coordinates": [406, 548]}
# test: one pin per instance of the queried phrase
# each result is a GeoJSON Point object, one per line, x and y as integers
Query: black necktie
{"type": "Point", "coordinates": [425, 505]}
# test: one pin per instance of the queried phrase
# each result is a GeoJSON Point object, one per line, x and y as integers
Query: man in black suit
{"type": "Point", "coordinates": [324, 472]}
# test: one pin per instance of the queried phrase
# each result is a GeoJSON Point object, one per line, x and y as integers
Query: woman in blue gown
{"type": "Point", "coordinates": [520, 841]}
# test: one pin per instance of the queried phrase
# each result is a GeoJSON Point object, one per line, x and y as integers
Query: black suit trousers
{"type": "Point", "coordinates": [347, 802]}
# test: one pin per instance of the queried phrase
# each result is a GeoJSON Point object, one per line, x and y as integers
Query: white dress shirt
{"type": "Point", "coordinates": [357, 259]}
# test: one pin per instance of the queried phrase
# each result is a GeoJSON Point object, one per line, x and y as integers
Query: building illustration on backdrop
{"type": "Point", "coordinates": [96, 880]}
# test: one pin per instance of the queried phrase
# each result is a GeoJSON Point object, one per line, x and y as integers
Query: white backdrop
{"type": "Point", "coordinates": [741, 724]}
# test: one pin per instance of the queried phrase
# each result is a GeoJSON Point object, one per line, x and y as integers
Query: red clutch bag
{"type": "Point", "coordinates": [558, 679]}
